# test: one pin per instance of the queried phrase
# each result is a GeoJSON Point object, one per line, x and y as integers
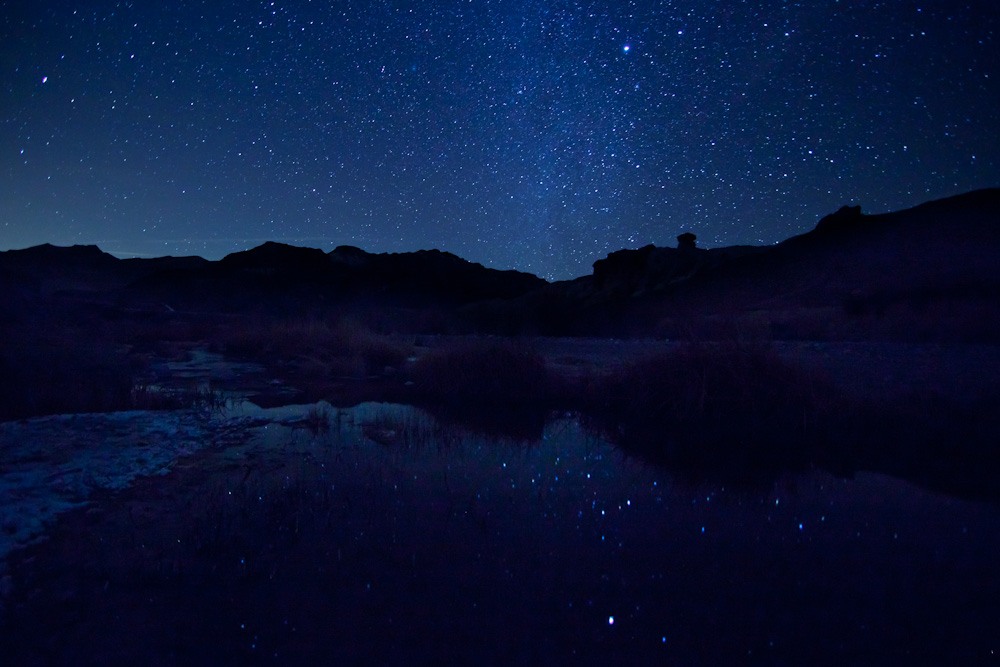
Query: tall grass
{"type": "Point", "coordinates": [316, 347]}
{"type": "Point", "coordinates": [725, 407]}
{"type": "Point", "coordinates": [49, 379]}
{"type": "Point", "coordinates": [55, 363]}
{"type": "Point", "coordinates": [496, 385]}
{"type": "Point", "coordinates": [489, 371]}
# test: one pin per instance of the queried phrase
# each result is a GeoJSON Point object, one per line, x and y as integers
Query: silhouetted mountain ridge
{"type": "Point", "coordinates": [84, 268]}
{"type": "Point", "coordinates": [941, 252]}
{"type": "Point", "coordinates": [272, 257]}
{"type": "Point", "coordinates": [952, 240]}
{"type": "Point", "coordinates": [285, 276]}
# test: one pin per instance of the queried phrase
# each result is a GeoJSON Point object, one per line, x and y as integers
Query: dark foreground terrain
{"type": "Point", "coordinates": [420, 545]}
{"type": "Point", "coordinates": [784, 454]}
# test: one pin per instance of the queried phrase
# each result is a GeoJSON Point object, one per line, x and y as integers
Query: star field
{"type": "Point", "coordinates": [516, 133]}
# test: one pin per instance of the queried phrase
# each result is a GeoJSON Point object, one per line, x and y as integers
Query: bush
{"type": "Point", "coordinates": [482, 372]}
{"type": "Point", "coordinates": [71, 371]}
{"type": "Point", "coordinates": [721, 406]}
{"type": "Point", "coordinates": [497, 386]}
{"type": "Point", "coordinates": [316, 347]}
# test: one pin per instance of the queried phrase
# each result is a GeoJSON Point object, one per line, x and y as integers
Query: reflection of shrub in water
{"type": "Point", "coordinates": [490, 371]}
{"type": "Point", "coordinates": [942, 442]}
{"type": "Point", "coordinates": [319, 418]}
{"type": "Point", "coordinates": [497, 386]}
{"type": "Point", "coordinates": [148, 397]}
{"type": "Point", "coordinates": [404, 427]}
{"type": "Point", "coordinates": [723, 407]}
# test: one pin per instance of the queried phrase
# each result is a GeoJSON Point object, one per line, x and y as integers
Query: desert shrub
{"type": "Point", "coordinates": [160, 333]}
{"type": "Point", "coordinates": [719, 406]}
{"type": "Point", "coordinates": [317, 347]}
{"type": "Point", "coordinates": [497, 386]}
{"type": "Point", "coordinates": [263, 339]}
{"type": "Point", "coordinates": [484, 372]}
{"type": "Point", "coordinates": [373, 352]}
{"type": "Point", "coordinates": [51, 365]}
{"type": "Point", "coordinates": [944, 442]}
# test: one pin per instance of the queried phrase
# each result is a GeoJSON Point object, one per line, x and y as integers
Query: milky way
{"type": "Point", "coordinates": [520, 134]}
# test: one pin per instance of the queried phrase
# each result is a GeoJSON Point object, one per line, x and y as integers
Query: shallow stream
{"type": "Point", "coordinates": [377, 534]}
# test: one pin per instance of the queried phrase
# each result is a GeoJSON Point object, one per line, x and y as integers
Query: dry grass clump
{"type": "Point", "coordinates": [722, 406]}
{"type": "Point", "coordinates": [62, 370]}
{"type": "Point", "coordinates": [320, 348]}
{"type": "Point", "coordinates": [52, 381]}
{"type": "Point", "coordinates": [52, 367]}
{"type": "Point", "coordinates": [497, 386]}
{"type": "Point", "coordinates": [487, 372]}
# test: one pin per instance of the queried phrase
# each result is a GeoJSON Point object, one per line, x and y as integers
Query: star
{"type": "Point", "coordinates": [473, 128]}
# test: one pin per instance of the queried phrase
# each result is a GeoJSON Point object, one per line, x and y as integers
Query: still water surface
{"type": "Point", "coordinates": [418, 542]}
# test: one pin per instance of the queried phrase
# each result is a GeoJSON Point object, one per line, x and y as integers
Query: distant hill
{"type": "Point", "coordinates": [51, 269]}
{"type": "Point", "coordinates": [262, 274]}
{"type": "Point", "coordinates": [286, 277]}
{"type": "Point", "coordinates": [932, 271]}
{"type": "Point", "coordinates": [939, 262]}
{"type": "Point", "coordinates": [935, 263]}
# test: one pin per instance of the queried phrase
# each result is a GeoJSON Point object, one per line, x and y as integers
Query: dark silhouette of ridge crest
{"type": "Point", "coordinates": [277, 256]}
{"type": "Point", "coordinates": [941, 257]}
{"type": "Point", "coordinates": [943, 249]}
{"type": "Point", "coordinates": [53, 254]}
{"type": "Point", "coordinates": [285, 277]}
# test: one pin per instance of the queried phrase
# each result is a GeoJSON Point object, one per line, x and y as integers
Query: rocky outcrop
{"type": "Point", "coordinates": [846, 218]}
{"type": "Point", "coordinates": [651, 269]}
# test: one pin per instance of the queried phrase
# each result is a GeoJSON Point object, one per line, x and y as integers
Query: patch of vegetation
{"type": "Point", "coordinates": [722, 407]}
{"type": "Point", "coordinates": [53, 367]}
{"type": "Point", "coordinates": [497, 385]}
{"type": "Point", "coordinates": [64, 365]}
{"type": "Point", "coordinates": [146, 397]}
{"type": "Point", "coordinates": [941, 442]}
{"type": "Point", "coordinates": [319, 418]}
{"type": "Point", "coordinates": [317, 348]}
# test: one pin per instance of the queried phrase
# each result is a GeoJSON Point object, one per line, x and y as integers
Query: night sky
{"type": "Point", "coordinates": [516, 133]}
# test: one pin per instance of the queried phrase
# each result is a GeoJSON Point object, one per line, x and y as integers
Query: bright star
{"type": "Point", "coordinates": [626, 48]}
